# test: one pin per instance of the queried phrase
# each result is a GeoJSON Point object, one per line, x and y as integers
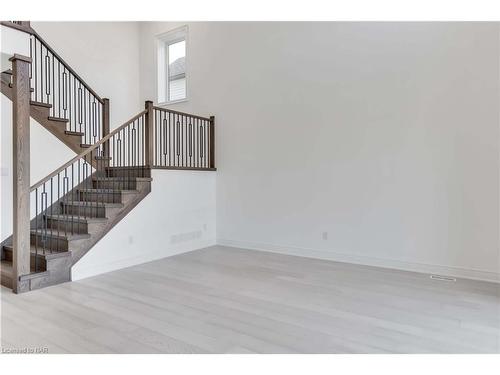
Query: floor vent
{"type": "Point", "coordinates": [443, 278]}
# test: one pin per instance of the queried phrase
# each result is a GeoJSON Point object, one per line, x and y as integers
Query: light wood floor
{"type": "Point", "coordinates": [227, 300]}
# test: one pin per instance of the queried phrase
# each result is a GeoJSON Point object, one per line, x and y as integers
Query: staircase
{"type": "Point", "coordinates": [60, 218]}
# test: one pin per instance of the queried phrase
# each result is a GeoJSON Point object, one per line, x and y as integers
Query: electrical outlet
{"type": "Point", "coordinates": [205, 227]}
{"type": "Point", "coordinates": [130, 240]}
{"type": "Point", "coordinates": [324, 235]}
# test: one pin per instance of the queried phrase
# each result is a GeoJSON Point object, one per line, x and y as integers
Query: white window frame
{"type": "Point", "coordinates": [162, 79]}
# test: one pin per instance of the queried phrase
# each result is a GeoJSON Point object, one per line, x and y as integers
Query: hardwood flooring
{"type": "Point", "coordinates": [228, 300]}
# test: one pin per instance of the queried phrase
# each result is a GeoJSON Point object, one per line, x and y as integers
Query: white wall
{"type": "Point", "coordinates": [177, 216]}
{"type": "Point", "coordinates": [383, 135]}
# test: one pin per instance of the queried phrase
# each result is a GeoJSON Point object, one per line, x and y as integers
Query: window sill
{"type": "Point", "coordinates": [163, 104]}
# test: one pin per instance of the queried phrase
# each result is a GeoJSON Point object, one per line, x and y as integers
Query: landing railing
{"type": "Point", "coordinates": [55, 83]}
{"type": "Point", "coordinates": [182, 140]}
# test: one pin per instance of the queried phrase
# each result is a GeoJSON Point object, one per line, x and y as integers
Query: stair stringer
{"type": "Point", "coordinates": [41, 115]}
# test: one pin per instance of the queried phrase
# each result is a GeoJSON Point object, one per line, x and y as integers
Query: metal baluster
{"type": "Point", "coordinates": [80, 106]}
{"type": "Point", "coordinates": [178, 139]}
{"type": "Point", "coordinates": [94, 120]}
{"type": "Point", "coordinates": [51, 204]}
{"type": "Point", "coordinates": [169, 139]}
{"type": "Point", "coordinates": [36, 228]}
{"type": "Point", "coordinates": [53, 92]}
{"type": "Point", "coordinates": [43, 199]}
{"type": "Point", "coordinates": [47, 73]}
{"type": "Point", "coordinates": [64, 89]}
{"type": "Point", "coordinates": [58, 89]}
{"type": "Point", "coordinates": [33, 64]}
{"type": "Point", "coordinates": [190, 144]}
{"type": "Point", "coordinates": [201, 144]}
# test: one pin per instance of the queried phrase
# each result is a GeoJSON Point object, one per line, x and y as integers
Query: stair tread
{"type": "Point", "coordinates": [125, 191]}
{"type": "Point", "coordinates": [40, 104]}
{"type": "Point", "coordinates": [141, 167]}
{"type": "Point", "coordinates": [70, 132]}
{"type": "Point", "coordinates": [61, 234]}
{"type": "Point", "coordinates": [120, 178]}
{"type": "Point", "coordinates": [47, 253]}
{"type": "Point", "coordinates": [74, 218]}
{"type": "Point", "coordinates": [8, 71]}
{"type": "Point", "coordinates": [92, 204]}
{"type": "Point", "coordinates": [59, 119]}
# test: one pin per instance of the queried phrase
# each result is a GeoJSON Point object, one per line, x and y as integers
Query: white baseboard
{"type": "Point", "coordinates": [459, 272]}
{"type": "Point", "coordinates": [78, 273]}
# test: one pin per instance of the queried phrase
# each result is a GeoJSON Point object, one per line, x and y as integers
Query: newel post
{"type": "Point", "coordinates": [105, 126]}
{"type": "Point", "coordinates": [212, 142]}
{"type": "Point", "coordinates": [148, 127]}
{"type": "Point", "coordinates": [21, 169]}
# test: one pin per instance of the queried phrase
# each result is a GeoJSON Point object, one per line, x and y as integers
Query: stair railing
{"type": "Point", "coordinates": [56, 84]}
{"type": "Point", "coordinates": [82, 187]}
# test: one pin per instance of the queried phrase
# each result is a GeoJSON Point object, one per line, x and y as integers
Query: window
{"type": "Point", "coordinates": [172, 81]}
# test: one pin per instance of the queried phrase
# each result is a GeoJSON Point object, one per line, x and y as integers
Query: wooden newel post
{"type": "Point", "coordinates": [21, 169]}
{"type": "Point", "coordinates": [148, 127]}
{"type": "Point", "coordinates": [105, 127]}
{"type": "Point", "coordinates": [212, 142]}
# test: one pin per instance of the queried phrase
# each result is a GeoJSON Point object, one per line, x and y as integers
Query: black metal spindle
{"type": "Point", "coordinates": [36, 229]}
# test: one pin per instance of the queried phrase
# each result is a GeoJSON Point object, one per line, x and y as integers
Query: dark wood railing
{"type": "Point", "coordinates": [182, 141]}
{"type": "Point", "coordinates": [55, 83]}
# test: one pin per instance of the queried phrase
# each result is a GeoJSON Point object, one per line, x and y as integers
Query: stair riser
{"type": "Point", "coordinates": [125, 172]}
{"type": "Point", "coordinates": [101, 197]}
{"type": "Point", "coordinates": [6, 281]}
{"type": "Point", "coordinates": [84, 211]}
{"type": "Point", "coordinates": [116, 185]}
{"type": "Point", "coordinates": [41, 264]}
{"type": "Point", "coordinates": [49, 242]}
{"type": "Point", "coordinates": [67, 226]}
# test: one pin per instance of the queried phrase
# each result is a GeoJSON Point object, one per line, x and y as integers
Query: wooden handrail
{"type": "Point", "coordinates": [181, 113]}
{"type": "Point", "coordinates": [30, 30]}
{"type": "Point", "coordinates": [87, 151]}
